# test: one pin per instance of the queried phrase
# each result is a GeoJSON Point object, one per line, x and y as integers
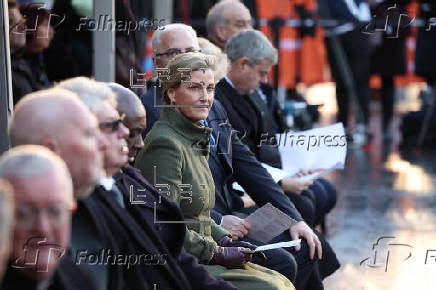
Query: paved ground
{"type": "Point", "coordinates": [384, 226]}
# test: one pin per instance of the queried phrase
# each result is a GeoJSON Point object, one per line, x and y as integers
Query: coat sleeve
{"type": "Point", "coordinates": [216, 216]}
{"type": "Point", "coordinates": [258, 183]}
{"type": "Point", "coordinates": [161, 162]}
{"type": "Point", "coordinates": [218, 231]}
{"type": "Point", "coordinates": [249, 173]}
{"type": "Point", "coordinates": [199, 276]}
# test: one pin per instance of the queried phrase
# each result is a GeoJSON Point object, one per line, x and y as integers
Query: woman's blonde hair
{"type": "Point", "coordinates": [222, 65]}
{"type": "Point", "coordinates": [192, 61]}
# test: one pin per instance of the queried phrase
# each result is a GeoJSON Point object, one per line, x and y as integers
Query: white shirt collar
{"type": "Point", "coordinates": [107, 183]}
{"type": "Point", "coordinates": [230, 82]}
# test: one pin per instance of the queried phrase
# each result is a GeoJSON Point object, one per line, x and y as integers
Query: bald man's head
{"type": "Point", "coordinates": [128, 102]}
{"type": "Point", "coordinates": [57, 119]}
{"type": "Point", "coordinates": [225, 19]}
{"type": "Point", "coordinates": [130, 105]}
{"type": "Point", "coordinates": [41, 115]}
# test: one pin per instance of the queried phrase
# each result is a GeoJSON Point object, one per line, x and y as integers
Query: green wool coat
{"type": "Point", "coordinates": [175, 158]}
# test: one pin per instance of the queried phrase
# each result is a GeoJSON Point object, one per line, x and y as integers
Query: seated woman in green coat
{"type": "Point", "coordinates": [175, 159]}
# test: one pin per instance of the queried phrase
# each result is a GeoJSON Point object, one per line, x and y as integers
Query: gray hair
{"type": "Point", "coordinates": [6, 210]}
{"type": "Point", "coordinates": [91, 92]}
{"type": "Point", "coordinates": [252, 44]}
{"type": "Point", "coordinates": [43, 114]}
{"type": "Point", "coordinates": [128, 101]}
{"type": "Point", "coordinates": [222, 65]}
{"type": "Point", "coordinates": [157, 35]}
{"type": "Point", "coordinates": [215, 17]}
{"type": "Point", "coordinates": [28, 161]}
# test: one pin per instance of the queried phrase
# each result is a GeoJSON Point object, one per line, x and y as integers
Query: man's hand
{"type": "Point", "coordinates": [239, 228]}
{"type": "Point", "coordinates": [248, 202]}
{"type": "Point", "coordinates": [301, 229]}
{"type": "Point", "coordinates": [295, 185]}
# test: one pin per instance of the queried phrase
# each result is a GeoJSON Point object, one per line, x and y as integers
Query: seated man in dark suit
{"type": "Point", "coordinates": [41, 184]}
{"type": "Point", "coordinates": [230, 161]}
{"type": "Point", "coordinates": [144, 201]}
{"type": "Point", "coordinates": [266, 104]}
{"type": "Point", "coordinates": [252, 55]}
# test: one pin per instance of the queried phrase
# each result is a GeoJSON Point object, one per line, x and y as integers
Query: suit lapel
{"type": "Point", "coordinates": [236, 99]}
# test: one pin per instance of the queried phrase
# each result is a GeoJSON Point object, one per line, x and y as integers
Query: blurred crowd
{"type": "Point", "coordinates": [112, 187]}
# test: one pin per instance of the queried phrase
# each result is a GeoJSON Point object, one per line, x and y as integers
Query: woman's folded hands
{"type": "Point", "coordinates": [232, 254]}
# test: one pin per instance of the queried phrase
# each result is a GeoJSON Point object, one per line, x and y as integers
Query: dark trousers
{"type": "Point", "coordinates": [357, 53]}
{"type": "Point", "coordinates": [305, 274]}
{"type": "Point", "coordinates": [305, 204]}
{"type": "Point", "coordinates": [325, 195]}
{"type": "Point", "coordinates": [310, 272]}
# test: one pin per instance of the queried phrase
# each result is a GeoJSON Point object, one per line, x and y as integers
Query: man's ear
{"type": "Point", "coordinates": [156, 62]}
{"type": "Point", "coordinates": [220, 32]}
{"type": "Point", "coordinates": [241, 63]}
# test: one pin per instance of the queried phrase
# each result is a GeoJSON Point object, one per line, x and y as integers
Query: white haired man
{"type": "Point", "coordinates": [174, 39]}
{"type": "Point", "coordinates": [225, 19]}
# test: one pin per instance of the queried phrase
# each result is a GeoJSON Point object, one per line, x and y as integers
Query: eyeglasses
{"type": "Point", "coordinates": [112, 126]}
{"type": "Point", "coordinates": [26, 216]}
{"type": "Point", "coordinates": [172, 52]}
{"type": "Point", "coordinates": [242, 24]}
{"type": "Point", "coordinates": [135, 132]}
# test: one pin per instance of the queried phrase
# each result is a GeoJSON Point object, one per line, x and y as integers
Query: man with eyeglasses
{"type": "Point", "coordinates": [225, 19]}
{"type": "Point", "coordinates": [43, 193]}
{"type": "Point", "coordinates": [172, 40]}
{"type": "Point", "coordinates": [131, 235]}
